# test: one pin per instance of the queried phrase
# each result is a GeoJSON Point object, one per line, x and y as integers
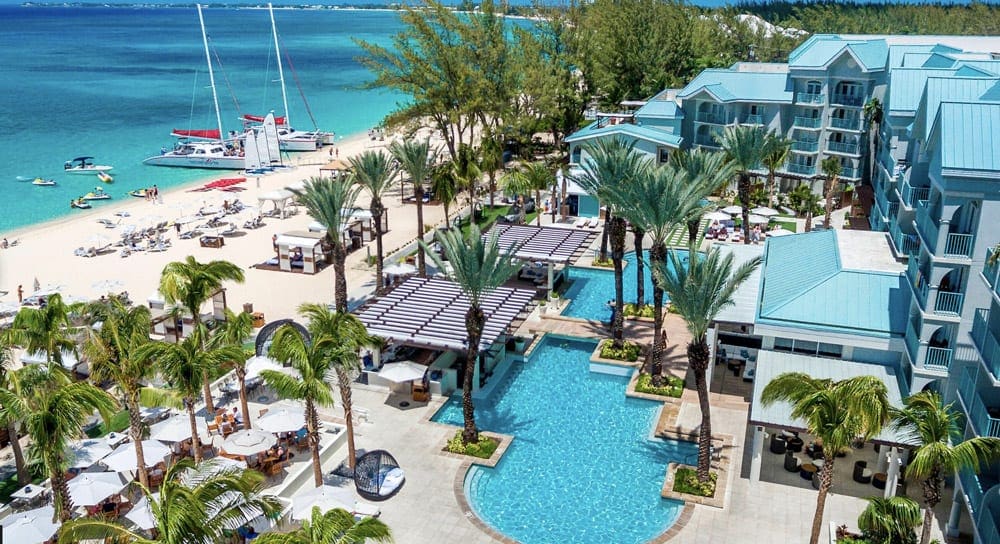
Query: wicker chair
{"type": "Point", "coordinates": [377, 475]}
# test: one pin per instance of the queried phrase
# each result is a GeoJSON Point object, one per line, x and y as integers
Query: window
{"type": "Point", "coordinates": [830, 350]}
{"type": "Point", "coordinates": [576, 155]}
{"type": "Point", "coordinates": [807, 347]}
{"type": "Point", "coordinates": [664, 155]}
{"type": "Point", "coordinates": [804, 346]}
{"type": "Point", "coordinates": [783, 344]}
{"type": "Point", "coordinates": [814, 87]}
{"type": "Point", "coordinates": [756, 110]}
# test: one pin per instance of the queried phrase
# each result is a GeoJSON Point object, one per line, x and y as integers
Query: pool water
{"type": "Point", "coordinates": [582, 467]}
{"type": "Point", "coordinates": [592, 288]}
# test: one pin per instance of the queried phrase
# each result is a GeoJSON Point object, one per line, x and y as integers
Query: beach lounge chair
{"type": "Point", "coordinates": [365, 510]}
{"type": "Point", "coordinates": [594, 223]}
{"type": "Point", "coordinates": [581, 222]}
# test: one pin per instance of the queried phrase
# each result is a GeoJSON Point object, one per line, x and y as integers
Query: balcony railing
{"type": "Point", "coordinates": [988, 533]}
{"type": "Point", "coordinates": [926, 225]}
{"type": "Point", "coordinates": [938, 358]}
{"type": "Point", "coordinates": [876, 223]}
{"type": "Point", "coordinates": [990, 271]}
{"type": "Point", "coordinates": [845, 124]}
{"type": "Point", "coordinates": [842, 147]}
{"type": "Point", "coordinates": [714, 118]}
{"type": "Point", "coordinates": [706, 142]}
{"type": "Point", "coordinates": [893, 209]}
{"type": "Point", "coordinates": [809, 98]}
{"type": "Point", "coordinates": [982, 421]}
{"type": "Point", "coordinates": [753, 120]}
{"type": "Point", "coordinates": [949, 303]}
{"type": "Point", "coordinates": [986, 343]}
{"type": "Point", "coordinates": [847, 100]}
{"type": "Point", "coordinates": [973, 490]}
{"type": "Point", "coordinates": [808, 122]}
{"type": "Point", "coordinates": [913, 272]}
{"type": "Point", "coordinates": [910, 195]}
{"type": "Point", "coordinates": [912, 341]}
{"type": "Point", "coordinates": [906, 244]}
{"type": "Point", "coordinates": [959, 245]}
{"type": "Point", "coordinates": [804, 169]}
{"type": "Point", "coordinates": [805, 145]}
{"type": "Point", "coordinates": [850, 173]}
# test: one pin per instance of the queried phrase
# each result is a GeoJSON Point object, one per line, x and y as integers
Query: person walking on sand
{"type": "Point", "coordinates": [20, 294]}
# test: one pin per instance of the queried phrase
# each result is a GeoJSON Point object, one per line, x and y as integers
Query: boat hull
{"type": "Point", "coordinates": [89, 171]}
{"type": "Point", "coordinates": [182, 161]}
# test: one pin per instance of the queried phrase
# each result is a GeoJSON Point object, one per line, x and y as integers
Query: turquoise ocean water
{"type": "Point", "coordinates": [113, 82]}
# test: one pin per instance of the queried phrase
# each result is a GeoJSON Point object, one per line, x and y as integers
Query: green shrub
{"type": "Point", "coordinates": [673, 388]}
{"type": "Point", "coordinates": [646, 310]}
{"type": "Point", "coordinates": [628, 352]}
{"type": "Point", "coordinates": [686, 481]}
{"type": "Point", "coordinates": [483, 449]}
{"type": "Point", "coordinates": [118, 423]}
{"type": "Point", "coordinates": [606, 263]}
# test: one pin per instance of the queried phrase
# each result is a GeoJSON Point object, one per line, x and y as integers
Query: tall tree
{"type": "Point", "coordinates": [237, 329]}
{"type": "Point", "coordinates": [53, 409]}
{"type": "Point", "coordinates": [374, 171]}
{"type": "Point", "coordinates": [831, 170]}
{"type": "Point", "coordinates": [6, 360]}
{"type": "Point", "coordinates": [337, 526]}
{"type": "Point", "coordinates": [190, 284]}
{"type": "Point", "coordinates": [467, 174]}
{"type": "Point", "coordinates": [533, 177]}
{"type": "Point", "coordinates": [890, 521]}
{"type": "Point", "coordinates": [873, 130]}
{"type": "Point", "coordinates": [835, 412]}
{"type": "Point", "coordinates": [491, 160]}
{"type": "Point", "coordinates": [776, 151]}
{"type": "Point", "coordinates": [934, 431]}
{"type": "Point", "coordinates": [478, 267]}
{"type": "Point", "coordinates": [744, 145]}
{"type": "Point", "coordinates": [45, 329]}
{"type": "Point", "coordinates": [329, 201]}
{"type": "Point", "coordinates": [710, 171]}
{"type": "Point", "coordinates": [444, 184]}
{"type": "Point", "coordinates": [416, 158]}
{"type": "Point", "coordinates": [699, 289]}
{"type": "Point", "coordinates": [196, 503]}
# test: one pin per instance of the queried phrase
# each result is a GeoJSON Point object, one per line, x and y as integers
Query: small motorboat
{"type": "Point", "coordinates": [44, 182]}
{"type": "Point", "coordinates": [98, 194]}
{"type": "Point", "coordinates": [80, 203]}
{"type": "Point", "coordinates": [138, 193]}
{"type": "Point", "coordinates": [84, 165]}
{"type": "Point", "coordinates": [103, 176]}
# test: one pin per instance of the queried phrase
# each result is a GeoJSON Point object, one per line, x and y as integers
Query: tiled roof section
{"type": "Point", "coordinates": [627, 130]}
{"type": "Point", "coordinates": [731, 86]}
{"type": "Point", "coordinates": [970, 136]}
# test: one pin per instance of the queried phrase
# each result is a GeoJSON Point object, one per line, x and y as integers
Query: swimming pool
{"type": "Point", "coordinates": [582, 467]}
{"type": "Point", "coordinates": [592, 288]}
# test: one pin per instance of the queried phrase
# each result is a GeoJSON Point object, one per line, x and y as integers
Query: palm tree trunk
{"type": "Point", "coordinates": [743, 188]}
{"type": "Point", "coordinates": [312, 426]}
{"type": "Point", "coordinates": [377, 211]}
{"type": "Point", "coordinates": [135, 429]}
{"type": "Point", "coordinates": [698, 359]}
{"type": "Point", "coordinates": [206, 385]}
{"type": "Point", "coordinates": [932, 487]}
{"type": "Point", "coordinates": [474, 322]}
{"type": "Point", "coordinates": [693, 229]}
{"type": "Point", "coordinates": [195, 440]}
{"type": "Point", "coordinates": [23, 478]}
{"type": "Point", "coordinates": [770, 187]}
{"type": "Point", "coordinates": [521, 215]}
{"type": "Point", "coordinates": [640, 276]}
{"type": "Point", "coordinates": [418, 189]}
{"type": "Point", "coordinates": [241, 376]}
{"type": "Point", "coordinates": [447, 222]}
{"type": "Point", "coordinates": [538, 210]}
{"type": "Point", "coordinates": [617, 256]}
{"type": "Point", "coordinates": [809, 220]}
{"type": "Point", "coordinates": [825, 483]}
{"type": "Point", "coordinates": [60, 495]}
{"type": "Point", "coordinates": [829, 202]}
{"type": "Point", "coordinates": [344, 381]}
{"type": "Point", "coordinates": [340, 281]}
{"type": "Point", "coordinates": [657, 257]}
{"type": "Point", "coordinates": [605, 234]}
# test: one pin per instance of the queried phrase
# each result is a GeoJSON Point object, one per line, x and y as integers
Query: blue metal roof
{"type": "Point", "coordinates": [898, 54]}
{"type": "Point", "coordinates": [969, 136]}
{"type": "Point", "coordinates": [906, 85]}
{"type": "Point", "coordinates": [939, 89]}
{"type": "Point", "coordinates": [628, 130]}
{"type": "Point", "coordinates": [938, 60]}
{"type": "Point", "coordinates": [870, 54]}
{"type": "Point", "coordinates": [991, 66]}
{"type": "Point", "coordinates": [660, 109]}
{"type": "Point", "coordinates": [731, 86]}
{"type": "Point", "coordinates": [805, 286]}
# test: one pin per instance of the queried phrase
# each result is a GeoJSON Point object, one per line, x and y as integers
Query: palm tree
{"type": "Point", "coordinates": [478, 266]}
{"type": "Point", "coordinates": [45, 329]}
{"type": "Point", "coordinates": [344, 335]}
{"type": "Point", "coordinates": [776, 151]}
{"type": "Point", "coordinates": [329, 201]}
{"type": "Point", "coordinates": [444, 184]}
{"type": "Point", "coordinates": [416, 159]}
{"type": "Point", "coordinates": [491, 160]}
{"type": "Point", "coordinates": [53, 410]}
{"type": "Point", "coordinates": [467, 173]}
{"type": "Point", "coordinates": [374, 171]}
{"type": "Point", "coordinates": [533, 177]}
{"type": "Point", "coordinates": [831, 170]}
{"type": "Point", "coordinates": [185, 366]}
{"type": "Point", "coordinates": [933, 430]}
{"type": "Point", "coordinates": [336, 526]}
{"type": "Point", "coordinates": [196, 503]}
{"type": "Point", "coordinates": [610, 165]}
{"type": "Point", "coordinates": [6, 359]}
{"type": "Point", "coordinates": [237, 329]}
{"type": "Point", "coordinates": [313, 360]}
{"type": "Point", "coordinates": [190, 284]}
{"type": "Point", "coordinates": [699, 289]}
{"type": "Point", "coordinates": [710, 170]}
{"type": "Point", "coordinates": [873, 113]}
{"type": "Point", "coordinates": [837, 413]}
{"type": "Point", "coordinates": [890, 521]}
{"type": "Point", "coordinates": [112, 353]}
{"type": "Point", "coordinates": [744, 145]}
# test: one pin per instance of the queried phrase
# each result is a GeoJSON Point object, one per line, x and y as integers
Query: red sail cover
{"type": "Point", "coordinates": [258, 119]}
{"type": "Point", "coordinates": [207, 134]}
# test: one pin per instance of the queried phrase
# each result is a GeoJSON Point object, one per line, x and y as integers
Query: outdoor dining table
{"type": "Point", "coordinates": [116, 439]}
{"type": "Point", "coordinates": [154, 414]}
{"type": "Point", "coordinates": [28, 493]}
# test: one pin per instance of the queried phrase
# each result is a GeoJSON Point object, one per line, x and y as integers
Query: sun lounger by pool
{"type": "Point", "coordinates": [365, 510]}
{"type": "Point", "coordinates": [594, 223]}
{"type": "Point", "coordinates": [581, 222]}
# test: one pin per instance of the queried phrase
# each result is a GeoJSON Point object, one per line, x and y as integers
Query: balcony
{"type": "Point", "coordinates": [805, 145]}
{"type": "Point", "coordinates": [707, 141]}
{"type": "Point", "coordinates": [847, 100]}
{"type": "Point", "coordinates": [949, 303]}
{"type": "Point", "coordinates": [956, 245]}
{"type": "Point", "coordinates": [842, 147]}
{"type": "Point", "coordinates": [850, 173]}
{"type": "Point", "coordinates": [938, 358]}
{"type": "Point", "coordinates": [990, 272]}
{"type": "Point", "coordinates": [753, 120]}
{"type": "Point", "coordinates": [986, 343]}
{"type": "Point", "coordinates": [876, 223]}
{"type": "Point", "coordinates": [973, 490]}
{"type": "Point", "coordinates": [846, 124]}
{"type": "Point", "coordinates": [808, 122]}
{"type": "Point", "coordinates": [713, 118]}
{"type": "Point", "coordinates": [987, 528]}
{"type": "Point", "coordinates": [809, 98]}
{"type": "Point", "coordinates": [910, 195]}
{"type": "Point", "coordinates": [912, 341]}
{"type": "Point", "coordinates": [906, 244]}
{"type": "Point", "coordinates": [981, 416]}
{"type": "Point", "coordinates": [802, 169]}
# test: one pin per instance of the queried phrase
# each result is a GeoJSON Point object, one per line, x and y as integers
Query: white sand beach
{"type": "Point", "coordinates": [45, 252]}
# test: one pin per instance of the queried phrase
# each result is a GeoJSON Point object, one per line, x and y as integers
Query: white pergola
{"type": "Point", "coordinates": [549, 245]}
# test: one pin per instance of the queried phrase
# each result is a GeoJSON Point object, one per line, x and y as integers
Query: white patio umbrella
{"type": "Point", "coordinates": [178, 428]}
{"type": "Point", "coordinates": [90, 488]}
{"type": "Point", "coordinates": [141, 514]}
{"type": "Point", "coordinates": [248, 442]}
{"type": "Point", "coordinates": [97, 240]}
{"type": "Point", "coordinates": [84, 453]}
{"type": "Point", "coordinates": [123, 458]}
{"type": "Point", "coordinates": [107, 286]}
{"type": "Point", "coordinates": [780, 231]}
{"type": "Point", "coordinates": [9, 308]}
{"type": "Point", "coordinates": [283, 420]}
{"type": "Point", "coordinates": [187, 219]}
{"type": "Point", "coordinates": [765, 211]}
{"type": "Point", "coordinates": [399, 269]}
{"type": "Point", "coordinates": [260, 363]}
{"type": "Point", "coordinates": [717, 216]}
{"type": "Point", "coordinates": [326, 497]}
{"type": "Point", "coordinates": [30, 527]}
{"type": "Point", "coordinates": [403, 371]}
{"type": "Point", "coordinates": [759, 220]}
{"type": "Point", "coordinates": [733, 210]}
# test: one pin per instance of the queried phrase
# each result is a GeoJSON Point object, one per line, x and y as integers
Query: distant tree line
{"type": "Point", "coordinates": [976, 18]}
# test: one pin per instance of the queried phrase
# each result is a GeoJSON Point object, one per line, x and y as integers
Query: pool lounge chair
{"type": "Point", "coordinates": [581, 222]}
{"type": "Point", "coordinates": [365, 510]}
{"type": "Point", "coordinates": [594, 223]}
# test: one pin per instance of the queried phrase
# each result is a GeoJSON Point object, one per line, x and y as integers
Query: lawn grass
{"type": "Point", "coordinates": [785, 223]}
{"type": "Point", "coordinates": [490, 215]}
{"type": "Point", "coordinates": [117, 424]}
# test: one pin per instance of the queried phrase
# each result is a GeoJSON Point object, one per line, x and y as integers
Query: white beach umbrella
{"type": "Point", "coordinates": [759, 220]}
{"type": "Point", "coordinates": [90, 488]}
{"type": "Point", "coordinates": [248, 442]}
{"type": "Point", "coordinates": [403, 371]}
{"type": "Point", "coordinates": [717, 216]}
{"type": "Point", "coordinates": [84, 453]}
{"type": "Point", "coordinates": [282, 420]}
{"type": "Point", "coordinates": [733, 210]}
{"type": "Point", "coordinates": [326, 497]}
{"type": "Point", "coordinates": [779, 232]}
{"type": "Point", "coordinates": [178, 428]}
{"type": "Point", "coordinates": [765, 211]}
{"type": "Point", "coordinates": [9, 308]}
{"type": "Point", "coordinates": [260, 363]}
{"type": "Point", "coordinates": [141, 514]}
{"type": "Point", "coordinates": [123, 458]}
{"type": "Point", "coordinates": [107, 286]}
{"type": "Point", "coordinates": [97, 240]}
{"type": "Point", "coordinates": [187, 219]}
{"type": "Point", "coordinates": [30, 527]}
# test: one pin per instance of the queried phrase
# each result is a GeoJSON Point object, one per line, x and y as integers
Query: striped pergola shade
{"type": "Point", "coordinates": [430, 312]}
{"type": "Point", "coordinates": [544, 244]}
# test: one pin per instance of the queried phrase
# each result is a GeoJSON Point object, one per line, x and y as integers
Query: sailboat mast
{"type": "Point", "coordinates": [281, 72]}
{"type": "Point", "coordinates": [211, 73]}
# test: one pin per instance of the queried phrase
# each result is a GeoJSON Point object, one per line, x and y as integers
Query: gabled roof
{"type": "Point", "coordinates": [968, 135]}
{"type": "Point", "coordinates": [906, 85]}
{"type": "Point", "coordinates": [939, 89]}
{"type": "Point", "coordinates": [732, 86]}
{"type": "Point", "coordinates": [659, 109]}
{"type": "Point", "coordinates": [805, 286]}
{"type": "Point", "coordinates": [991, 66]}
{"type": "Point", "coordinates": [871, 55]}
{"type": "Point", "coordinates": [627, 130]}
{"type": "Point", "coordinates": [898, 54]}
{"type": "Point", "coordinates": [938, 60]}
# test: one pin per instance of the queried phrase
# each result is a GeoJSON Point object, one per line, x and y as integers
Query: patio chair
{"type": "Point", "coordinates": [861, 473]}
{"type": "Point", "coordinates": [778, 444]}
{"type": "Point", "coordinates": [792, 463]}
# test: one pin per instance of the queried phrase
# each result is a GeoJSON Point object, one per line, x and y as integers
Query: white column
{"type": "Point", "coordinates": [892, 477]}
{"type": "Point", "coordinates": [883, 458]}
{"type": "Point", "coordinates": [955, 516]}
{"type": "Point", "coordinates": [755, 455]}
{"type": "Point", "coordinates": [549, 266]}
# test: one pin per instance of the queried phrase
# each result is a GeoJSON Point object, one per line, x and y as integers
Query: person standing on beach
{"type": "Point", "coordinates": [20, 294]}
